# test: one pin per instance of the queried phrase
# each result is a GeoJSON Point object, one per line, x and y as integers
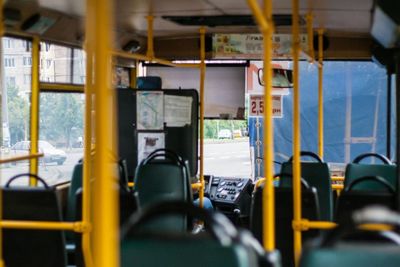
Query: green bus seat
{"type": "Point", "coordinates": [356, 170]}
{"type": "Point", "coordinates": [163, 176]}
{"type": "Point", "coordinates": [284, 218]}
{"type": "Point", "coordinates": [220, 245]}
{"type": "Point", "coordinates": [367, 255]}
{"type": "Point", "coordinates": [317, 175]}
{"type": "Point", "coordinates": [349, 246]}
{"type": "Point", "coordinates": [32, 248]}
{"type": "Point", "coordinates": [357, 196]}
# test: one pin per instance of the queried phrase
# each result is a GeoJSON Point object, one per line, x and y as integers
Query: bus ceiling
{"type": "Point", "coordinates": [347, 23]}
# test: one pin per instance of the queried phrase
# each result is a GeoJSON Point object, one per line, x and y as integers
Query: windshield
{"type": "Point", "coordinates": [45, 145]}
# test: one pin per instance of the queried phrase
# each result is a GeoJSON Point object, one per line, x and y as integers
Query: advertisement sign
{"type": "Point", "coordinates": [250, 46]}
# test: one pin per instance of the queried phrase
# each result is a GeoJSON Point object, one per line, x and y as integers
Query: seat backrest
{"type": "Point", "coordinates": [182, 253]}
{"type": "Point", "coordinates": [163, 180]}
{"type": "Point", "coordinates": [356, 170]}
{"type": "Point", "coordinates": [284, 218]}
{"type": "Point", "coordinates": [76, 183]}
{"type": "Point", "coordinates": [32, 248]}
{"type": "Point", "coordinates": [350, 201]}
{"type": "Point", "coordinates": [128, 205]}
{"type": "Point", "coordinates": [316, 175]}
{"type": "Point", "coordinates": [367, 255]}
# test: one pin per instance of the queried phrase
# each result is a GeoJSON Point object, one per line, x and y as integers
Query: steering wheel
{"type": "Point", "coordinates": [216, 224]}
{"type": "Point", "coordinates": [308, 154]}
{"type": "Point", "coordinates": [377, 179]}
{"type": "Point", "coordinates": [27, 175]}
{"type": "Point", "coordinates": [384, 159]}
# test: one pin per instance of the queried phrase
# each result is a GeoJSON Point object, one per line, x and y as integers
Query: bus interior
{"type": "Point", "coordinates": [196, 133]}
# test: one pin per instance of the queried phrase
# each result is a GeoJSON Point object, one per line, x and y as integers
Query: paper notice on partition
{"type": "Point", "coordinates": [178, 110]}
{"type": "Point", "coordinates": [150, 111]}
{"type": "Point", "coordinates": [148, 142]}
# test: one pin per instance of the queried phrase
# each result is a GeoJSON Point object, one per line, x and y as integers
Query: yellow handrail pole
{"type": "Point", "coordinates": [264, 20]}
{"type": "Point", "coordinates": [150, 45]}
{"type": "Point", "coordinates": [310, 35]}
{"type": "Point", "coordinates": [320, 95]}
{"type": "Point", "coordinates": [19, 158]}
{"type": "Point", "coordinates": [1, 192]}
{"type": "Point", "coordinates": [105, 214]}
{"type": "Point", "coordinates": [296, 130]}
{"type": "Point", "coordinates": [34, 126]}
{"type": "Point", "coordinates": [268, 146]}
{"type": "Point", "coordinates": [202, 79]}
{"type": "Point", "coordinates": [87, 157]}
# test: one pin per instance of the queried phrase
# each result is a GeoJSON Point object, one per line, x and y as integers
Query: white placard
{"type": "Point", "coordinates": [148, 142]}
{"type": "Point", "coordinates": [177, 110]}
{"type": "Point", "coordinates": [257, 106]}
{"type": "Point", "coordinates": [150, 110]}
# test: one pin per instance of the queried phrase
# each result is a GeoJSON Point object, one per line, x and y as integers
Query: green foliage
{"type": "Point", "coordinates": [61, 118]}
{"type": "Point", "coordinates": [18, 115]}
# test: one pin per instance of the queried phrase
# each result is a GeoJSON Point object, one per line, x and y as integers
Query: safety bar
{"type": "Point", "coordinates": [61, 87]}
{"type": "Point", "coordinates": [78, 227]}
{"type": "Point", "coordinates": [19, 158]}
{"type": "Point", "coordinates": [337, 178]}
{"type": "Point", "coordinates": [141, 57]}
{"type": "Point", "coordinates": [263, 18]}
{"type": "Point", "coordinates": [305, 225]}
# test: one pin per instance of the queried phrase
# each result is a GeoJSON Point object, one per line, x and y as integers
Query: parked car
{"type": "Point", "coordinates": [51, 154]}
{"type": "Point", "coordinates": [224, 133]}
{"type": "Point", "coordinates": [237, 133]}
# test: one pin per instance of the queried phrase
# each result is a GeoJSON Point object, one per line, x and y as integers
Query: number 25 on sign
{"type": "Point", "coordinates": [257, 106]}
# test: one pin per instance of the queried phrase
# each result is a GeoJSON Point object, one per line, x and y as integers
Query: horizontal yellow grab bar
{"type": "Point", "coordinates": [197, 185]}
{"type": "Point", "coordinates": [337, 186]}
{"type": "Point", "coordinates": [19, 158]}
{"type": "Point", "coordinates": [154, 60]}
{"type": "Point", "coordinates": [62, 87]}
{"type": "Point", "coordinates": [79, 227]}
{"type": "Point", "coordinates": [337, 178]}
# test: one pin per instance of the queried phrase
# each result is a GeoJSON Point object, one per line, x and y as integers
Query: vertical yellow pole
{"type": "Point", "coordinates": [150, 44]}
{"type": "Point", "coordinates": [296, 130]}
{"type": "Point", "coordinates": [310, 35]}
{"type": "Point", "coordinates": [320, 95]}
{"type": "Point", "coordinates": [1, 193]}
{"type": "Point", "coordinates": [202, 79]}
{"type": "Point", "coordinates": [268, 192]}
{"type": "Point", "coordinates": [34, 126]}
{"type": "Point", "coordinates": [105, 212]}
{"type": "Point", "coordinates": [87, 158]}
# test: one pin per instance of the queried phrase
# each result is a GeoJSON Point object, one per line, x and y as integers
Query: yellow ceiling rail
{"type": "Point", "coordinates": [296, 129]}
{"type": "Point", "coordinates": [141, 57]}
{"type": "Point", "coordinates": [34, 112]}
{"type": "Point", "coordinates": [61, 87]}
{"type": "Point", "coordinates": [202, 80]}
{"type": "Point", "coordinates": [19, 158]}
{"type": "Point", "coordinates": [320, 95]}
{"type": "Point", "coordinates": [78, 227]}
{"type": "Point", "coordinates": [105, 198]}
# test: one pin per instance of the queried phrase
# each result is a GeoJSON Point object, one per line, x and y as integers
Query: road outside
{"type": "Point", "coordinates": [227, 158]}
{"type": "Point", "coordinates": [221, 158]}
